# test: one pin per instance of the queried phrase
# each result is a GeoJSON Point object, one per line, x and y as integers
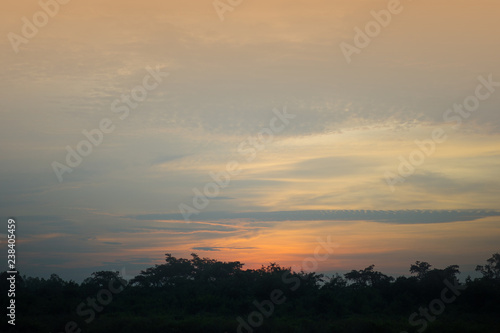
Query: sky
{"type": "Point", "coordinates": [249, 131]}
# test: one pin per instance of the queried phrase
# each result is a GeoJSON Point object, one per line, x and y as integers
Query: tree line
{"type": "Point", "coordinates": [207, 295]}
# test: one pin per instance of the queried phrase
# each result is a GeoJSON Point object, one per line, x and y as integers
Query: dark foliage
{"type": "Point", "coordinates": [206, 295]}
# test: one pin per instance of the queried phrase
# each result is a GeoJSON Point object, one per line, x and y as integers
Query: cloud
{"type": "Point", "coordinates": [352, 122]}
{"type": "Point", "coordinates": [168, 158]}
{"type": "Point", "coordinates": [381, 216]}
{"type": "Point", "coordinates": [223, 198]}
{"type": "Point", "coordinates": [438, 182]}
{"type": "Point", "coordinates": [220, 248]}
{"type": "Point", "coordinates": [208, 248]}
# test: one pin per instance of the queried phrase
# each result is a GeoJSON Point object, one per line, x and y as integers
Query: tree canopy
{"type": "Point", "coordinates": [207, 295]}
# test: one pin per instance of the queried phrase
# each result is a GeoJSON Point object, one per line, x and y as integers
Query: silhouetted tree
{"type": "Point", "coordinates": [367, 277]}
{"type": "Point", "coordinates": [492, 269]}
{"type": "Point", "coordinates": [206, 295]}
{"type": "Point", "coordinates": [420, 268]}
{"type": "Point", "coordinates": [101, 279]}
